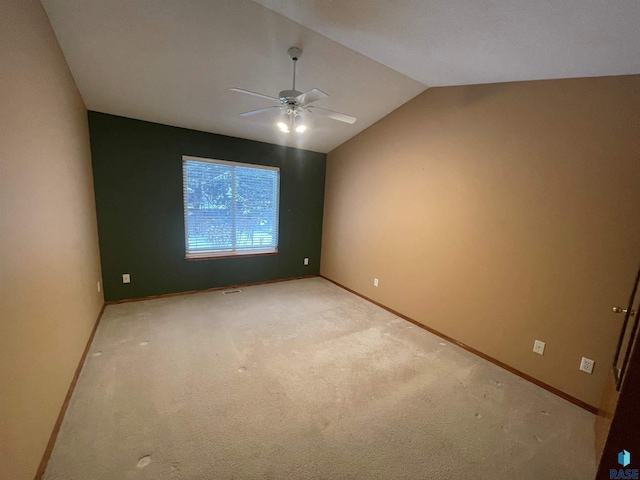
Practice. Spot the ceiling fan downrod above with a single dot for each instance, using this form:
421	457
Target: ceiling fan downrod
285	95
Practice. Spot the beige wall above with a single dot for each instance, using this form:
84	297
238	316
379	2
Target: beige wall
49	263
498	214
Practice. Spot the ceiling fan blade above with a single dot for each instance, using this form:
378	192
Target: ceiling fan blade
259	95
256	112
311	96
331	114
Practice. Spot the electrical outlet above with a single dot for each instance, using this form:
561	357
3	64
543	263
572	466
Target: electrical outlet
98	287
126	278
306	261
538	347
375	282
586	365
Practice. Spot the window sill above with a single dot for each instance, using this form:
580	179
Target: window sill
215	256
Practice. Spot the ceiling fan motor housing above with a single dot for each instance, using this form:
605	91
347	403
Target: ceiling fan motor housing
289	95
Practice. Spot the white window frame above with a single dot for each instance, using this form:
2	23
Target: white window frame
233	252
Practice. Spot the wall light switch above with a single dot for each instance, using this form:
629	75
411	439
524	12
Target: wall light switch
306	261
126	278
538	347
98	287
375	282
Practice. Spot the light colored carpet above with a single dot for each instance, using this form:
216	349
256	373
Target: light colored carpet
303	380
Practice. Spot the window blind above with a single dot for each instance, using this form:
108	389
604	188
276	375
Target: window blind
229	208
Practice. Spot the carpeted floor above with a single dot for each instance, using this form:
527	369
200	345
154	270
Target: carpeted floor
303	380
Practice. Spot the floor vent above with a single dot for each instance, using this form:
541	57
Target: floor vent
227	292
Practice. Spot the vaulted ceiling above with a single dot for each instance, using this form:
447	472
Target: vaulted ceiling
173	62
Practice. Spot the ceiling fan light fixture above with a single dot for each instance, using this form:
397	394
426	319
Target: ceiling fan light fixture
283	127
298	122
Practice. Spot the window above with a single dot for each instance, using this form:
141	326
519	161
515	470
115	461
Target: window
229	208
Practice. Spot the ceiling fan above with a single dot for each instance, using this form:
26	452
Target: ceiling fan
294	104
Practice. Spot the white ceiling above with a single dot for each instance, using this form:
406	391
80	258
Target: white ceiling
462	42
173	62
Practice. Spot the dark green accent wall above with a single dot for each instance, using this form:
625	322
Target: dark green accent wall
137	170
